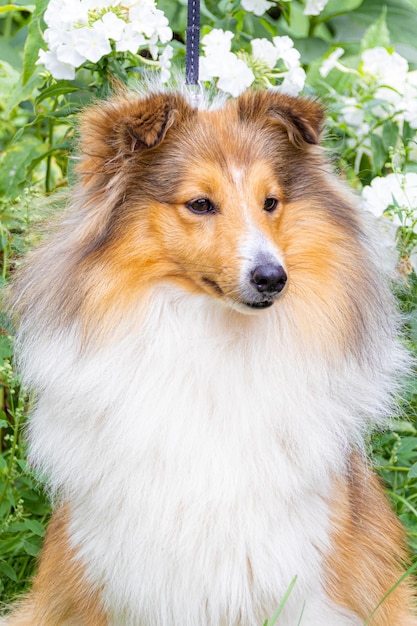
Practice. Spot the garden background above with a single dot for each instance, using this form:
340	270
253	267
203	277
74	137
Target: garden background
358	56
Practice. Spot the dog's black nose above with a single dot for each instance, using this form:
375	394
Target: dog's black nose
269	278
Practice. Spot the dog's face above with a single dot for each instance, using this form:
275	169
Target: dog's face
235	202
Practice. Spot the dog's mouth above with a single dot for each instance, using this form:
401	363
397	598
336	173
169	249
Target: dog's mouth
213	285
263	304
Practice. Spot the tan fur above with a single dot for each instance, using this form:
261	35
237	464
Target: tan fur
142	161
369	552
60	595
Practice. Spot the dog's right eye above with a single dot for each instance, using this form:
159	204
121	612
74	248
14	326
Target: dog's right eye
201	206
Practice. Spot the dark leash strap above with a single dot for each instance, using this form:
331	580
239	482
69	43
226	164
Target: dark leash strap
192	43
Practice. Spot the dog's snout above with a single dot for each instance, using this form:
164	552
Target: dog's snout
269	278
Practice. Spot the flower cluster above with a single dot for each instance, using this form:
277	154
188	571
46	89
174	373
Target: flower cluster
388	73
269	62
259	7
87	30
387	84
393	200
394	195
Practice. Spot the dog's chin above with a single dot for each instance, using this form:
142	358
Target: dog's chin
249	308
238	304
264	304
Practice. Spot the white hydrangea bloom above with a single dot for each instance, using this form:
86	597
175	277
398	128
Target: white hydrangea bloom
131	40
388	70
281	49
217	40
59	70
165	63
258	7
68	51
410	99
265	51
112	26
87	30
353	114
293	81
92	43
233	74
331	62
314	7
61	14
394	190
287	52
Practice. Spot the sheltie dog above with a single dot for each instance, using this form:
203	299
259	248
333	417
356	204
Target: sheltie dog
211	336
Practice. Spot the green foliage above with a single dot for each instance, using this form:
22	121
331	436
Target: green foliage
23	506
367	133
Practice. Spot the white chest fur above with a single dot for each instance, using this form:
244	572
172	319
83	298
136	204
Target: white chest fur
197	453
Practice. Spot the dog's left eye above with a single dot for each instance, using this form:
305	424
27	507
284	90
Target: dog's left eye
200	206
270	204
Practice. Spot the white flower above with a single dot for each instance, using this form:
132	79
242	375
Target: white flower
147	18
394	83
388	70
352	113
287	52
293	82
265	51
235	77
258	7
92	43
60	70
61	14
281	48
217	41
111	26
394	190
331	62
165	63
314	7
80	30
130	40
210	65
68	51
219	62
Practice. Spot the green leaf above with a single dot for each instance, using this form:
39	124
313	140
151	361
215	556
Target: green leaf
377	34
412	473
407	446
6	348
16	7
15	163
8	571
390	132
22	92
34	41
310	48
60	88
36	527
400	17
378	153
31	548
282	604
335	7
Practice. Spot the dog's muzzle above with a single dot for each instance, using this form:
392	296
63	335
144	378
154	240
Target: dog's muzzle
265	283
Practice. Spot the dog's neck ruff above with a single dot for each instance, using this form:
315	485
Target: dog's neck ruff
206	442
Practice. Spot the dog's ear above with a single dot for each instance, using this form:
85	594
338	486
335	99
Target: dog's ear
301	118
115	131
